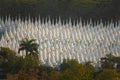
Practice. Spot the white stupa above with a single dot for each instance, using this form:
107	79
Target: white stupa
58	41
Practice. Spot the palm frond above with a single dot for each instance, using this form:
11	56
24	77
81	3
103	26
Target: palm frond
29	46
22	48
31	41
23	42
34	45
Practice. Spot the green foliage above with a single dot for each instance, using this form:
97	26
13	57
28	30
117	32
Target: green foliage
45	70
109	61
24	75
30	62
10	60
64	8
7	53
72	70
108	74
29	46
19	68
89	64
48	73
12	63
67	64
55	75
107	64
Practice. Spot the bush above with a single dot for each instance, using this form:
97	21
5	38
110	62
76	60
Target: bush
30	62
55	75
44	72
24	75
72	70
12	63
108	74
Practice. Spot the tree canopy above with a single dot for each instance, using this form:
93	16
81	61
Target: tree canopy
30	46
64	8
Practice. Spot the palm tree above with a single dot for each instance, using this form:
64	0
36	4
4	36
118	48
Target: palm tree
29	46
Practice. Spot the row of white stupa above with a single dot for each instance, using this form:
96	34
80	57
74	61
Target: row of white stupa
58	41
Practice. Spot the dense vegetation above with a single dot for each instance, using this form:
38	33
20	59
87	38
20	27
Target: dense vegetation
96	9
29	67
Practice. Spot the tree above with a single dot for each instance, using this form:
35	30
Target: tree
108	74
10	63
29	46
72	70
7	54
64	8
106	62
30	74
110	62
55	75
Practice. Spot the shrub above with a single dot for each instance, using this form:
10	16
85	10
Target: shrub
108	74
30	62
72	70
30	74
12	63
55	75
